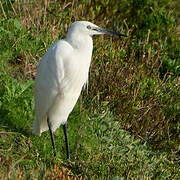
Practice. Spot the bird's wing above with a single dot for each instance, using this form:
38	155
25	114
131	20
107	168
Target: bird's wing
50	75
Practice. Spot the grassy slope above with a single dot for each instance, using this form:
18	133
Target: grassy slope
100	148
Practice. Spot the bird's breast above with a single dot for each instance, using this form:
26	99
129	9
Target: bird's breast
76	72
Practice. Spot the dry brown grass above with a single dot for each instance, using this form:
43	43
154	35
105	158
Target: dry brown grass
10	169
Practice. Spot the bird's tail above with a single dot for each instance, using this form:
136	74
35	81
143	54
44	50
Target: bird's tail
40	126
36	127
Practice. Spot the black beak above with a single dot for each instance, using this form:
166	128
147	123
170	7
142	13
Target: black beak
105	31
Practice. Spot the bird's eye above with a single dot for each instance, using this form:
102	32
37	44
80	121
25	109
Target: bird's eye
88	27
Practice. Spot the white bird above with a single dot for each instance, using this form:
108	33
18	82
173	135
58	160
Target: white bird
61	74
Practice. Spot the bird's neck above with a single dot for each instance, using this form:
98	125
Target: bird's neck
84	43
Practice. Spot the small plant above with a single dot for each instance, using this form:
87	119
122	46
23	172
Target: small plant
16	104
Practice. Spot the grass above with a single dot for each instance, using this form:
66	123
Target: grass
127	126
100	149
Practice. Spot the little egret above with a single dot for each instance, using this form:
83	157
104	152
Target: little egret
61	74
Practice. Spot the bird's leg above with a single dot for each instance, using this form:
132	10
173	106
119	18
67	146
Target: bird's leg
52	136
66	140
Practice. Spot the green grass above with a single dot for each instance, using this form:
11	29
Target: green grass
100	149
127	126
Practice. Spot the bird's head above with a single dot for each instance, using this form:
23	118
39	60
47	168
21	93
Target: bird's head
88	28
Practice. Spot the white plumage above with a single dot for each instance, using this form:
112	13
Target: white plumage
62	73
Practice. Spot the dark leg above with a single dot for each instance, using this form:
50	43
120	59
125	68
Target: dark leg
52	136
66	140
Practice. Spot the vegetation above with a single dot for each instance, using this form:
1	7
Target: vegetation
128	125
